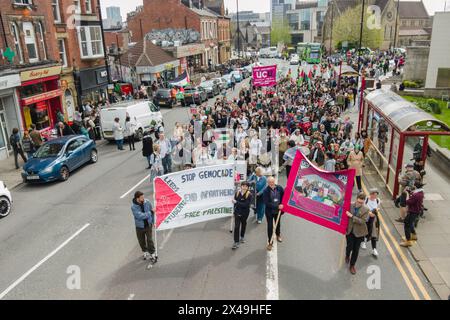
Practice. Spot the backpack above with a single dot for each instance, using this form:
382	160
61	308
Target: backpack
367	200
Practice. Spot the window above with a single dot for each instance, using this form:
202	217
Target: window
41	39
16	36
90	39
23	2
30	41
77	5
88	6
62	52
56	12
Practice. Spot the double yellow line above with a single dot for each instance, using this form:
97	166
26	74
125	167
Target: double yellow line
398	262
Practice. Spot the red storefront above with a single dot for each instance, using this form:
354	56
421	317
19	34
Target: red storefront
40	98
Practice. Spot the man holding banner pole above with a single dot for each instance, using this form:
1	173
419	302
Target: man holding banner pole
272	196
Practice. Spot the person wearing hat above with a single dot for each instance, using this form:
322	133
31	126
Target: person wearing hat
242	201
355	161
373	202
415	206
317	155
408	179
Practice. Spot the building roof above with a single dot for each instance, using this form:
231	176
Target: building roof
146	54
204	12
343	5
413	32
412	9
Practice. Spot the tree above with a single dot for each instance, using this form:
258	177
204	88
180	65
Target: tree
348	26
280	33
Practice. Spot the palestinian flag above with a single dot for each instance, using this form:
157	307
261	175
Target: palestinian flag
222	136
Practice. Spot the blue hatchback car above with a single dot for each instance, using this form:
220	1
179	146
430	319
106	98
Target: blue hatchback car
56	158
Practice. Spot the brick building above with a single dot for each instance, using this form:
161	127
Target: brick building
80	47
29	69
182	14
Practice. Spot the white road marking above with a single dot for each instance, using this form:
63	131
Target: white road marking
131	296
51	254
134	187
166	238
272	292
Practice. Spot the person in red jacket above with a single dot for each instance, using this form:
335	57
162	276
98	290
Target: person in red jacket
415	206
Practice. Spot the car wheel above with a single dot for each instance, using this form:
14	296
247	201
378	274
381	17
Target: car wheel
5	206
139	134
94	156
64	173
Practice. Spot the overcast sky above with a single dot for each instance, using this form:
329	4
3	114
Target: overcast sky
254	5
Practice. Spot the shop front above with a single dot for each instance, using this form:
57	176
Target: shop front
92	84
40	99
160	73
69	96
9	115
190	57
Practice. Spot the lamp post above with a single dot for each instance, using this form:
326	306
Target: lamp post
332	18
99	10
238	30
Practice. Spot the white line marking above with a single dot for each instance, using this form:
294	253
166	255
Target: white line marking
166	238
51	254
131	296
137	185
272	274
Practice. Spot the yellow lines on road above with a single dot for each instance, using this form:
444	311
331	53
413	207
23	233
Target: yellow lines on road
405	260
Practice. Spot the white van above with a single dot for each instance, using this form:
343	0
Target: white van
143	114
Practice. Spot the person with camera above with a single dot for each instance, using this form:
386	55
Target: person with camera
407	179
373	202
414	204
242	201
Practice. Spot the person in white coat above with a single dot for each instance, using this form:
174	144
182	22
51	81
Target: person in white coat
118	134
130	130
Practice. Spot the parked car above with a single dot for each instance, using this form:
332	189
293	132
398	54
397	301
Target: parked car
144	115
295	60
5	200
163	98
227	79
221	82
212	89
195	95
237	75
245	72
56	158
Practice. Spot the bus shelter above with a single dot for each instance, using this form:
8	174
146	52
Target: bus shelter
395	127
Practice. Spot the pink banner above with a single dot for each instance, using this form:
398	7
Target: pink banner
319	196
265	76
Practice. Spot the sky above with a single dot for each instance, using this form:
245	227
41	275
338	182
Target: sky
244	5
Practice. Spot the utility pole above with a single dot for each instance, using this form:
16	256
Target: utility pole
396	23
99	10
361	34
238	31
332	21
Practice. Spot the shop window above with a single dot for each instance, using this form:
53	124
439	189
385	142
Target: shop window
16	36
90	39
30	42
56	12
37	114
32	90
62	52
41	40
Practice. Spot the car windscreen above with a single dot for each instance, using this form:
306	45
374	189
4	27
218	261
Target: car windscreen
163	93
49	150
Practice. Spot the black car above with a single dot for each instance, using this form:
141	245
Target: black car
163	98
194	95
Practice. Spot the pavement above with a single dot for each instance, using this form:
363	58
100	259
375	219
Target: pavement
76	240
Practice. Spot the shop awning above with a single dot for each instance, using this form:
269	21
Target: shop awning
402	113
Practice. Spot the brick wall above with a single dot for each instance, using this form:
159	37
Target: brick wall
161	14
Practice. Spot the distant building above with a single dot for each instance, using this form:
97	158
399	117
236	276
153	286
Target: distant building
438	72
306	20
415	23
279	8
113	18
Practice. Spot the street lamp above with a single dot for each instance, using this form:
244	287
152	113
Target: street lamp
99	10
238	30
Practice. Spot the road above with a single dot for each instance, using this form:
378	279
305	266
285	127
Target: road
84	227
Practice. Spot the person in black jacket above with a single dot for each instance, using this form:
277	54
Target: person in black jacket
147	147
272	197
242	201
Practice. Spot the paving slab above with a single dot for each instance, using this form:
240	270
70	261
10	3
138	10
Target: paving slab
430	272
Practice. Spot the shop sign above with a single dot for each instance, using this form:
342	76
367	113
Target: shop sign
10	81
189	50
42	97
39	73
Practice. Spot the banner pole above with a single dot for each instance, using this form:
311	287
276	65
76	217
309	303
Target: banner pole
156	233
275	226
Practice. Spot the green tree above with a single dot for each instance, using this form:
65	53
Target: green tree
280	33
348	26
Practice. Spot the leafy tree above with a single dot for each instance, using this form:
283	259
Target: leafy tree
280	33
348	26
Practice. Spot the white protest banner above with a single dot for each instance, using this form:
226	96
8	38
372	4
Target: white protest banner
239	166
192	196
